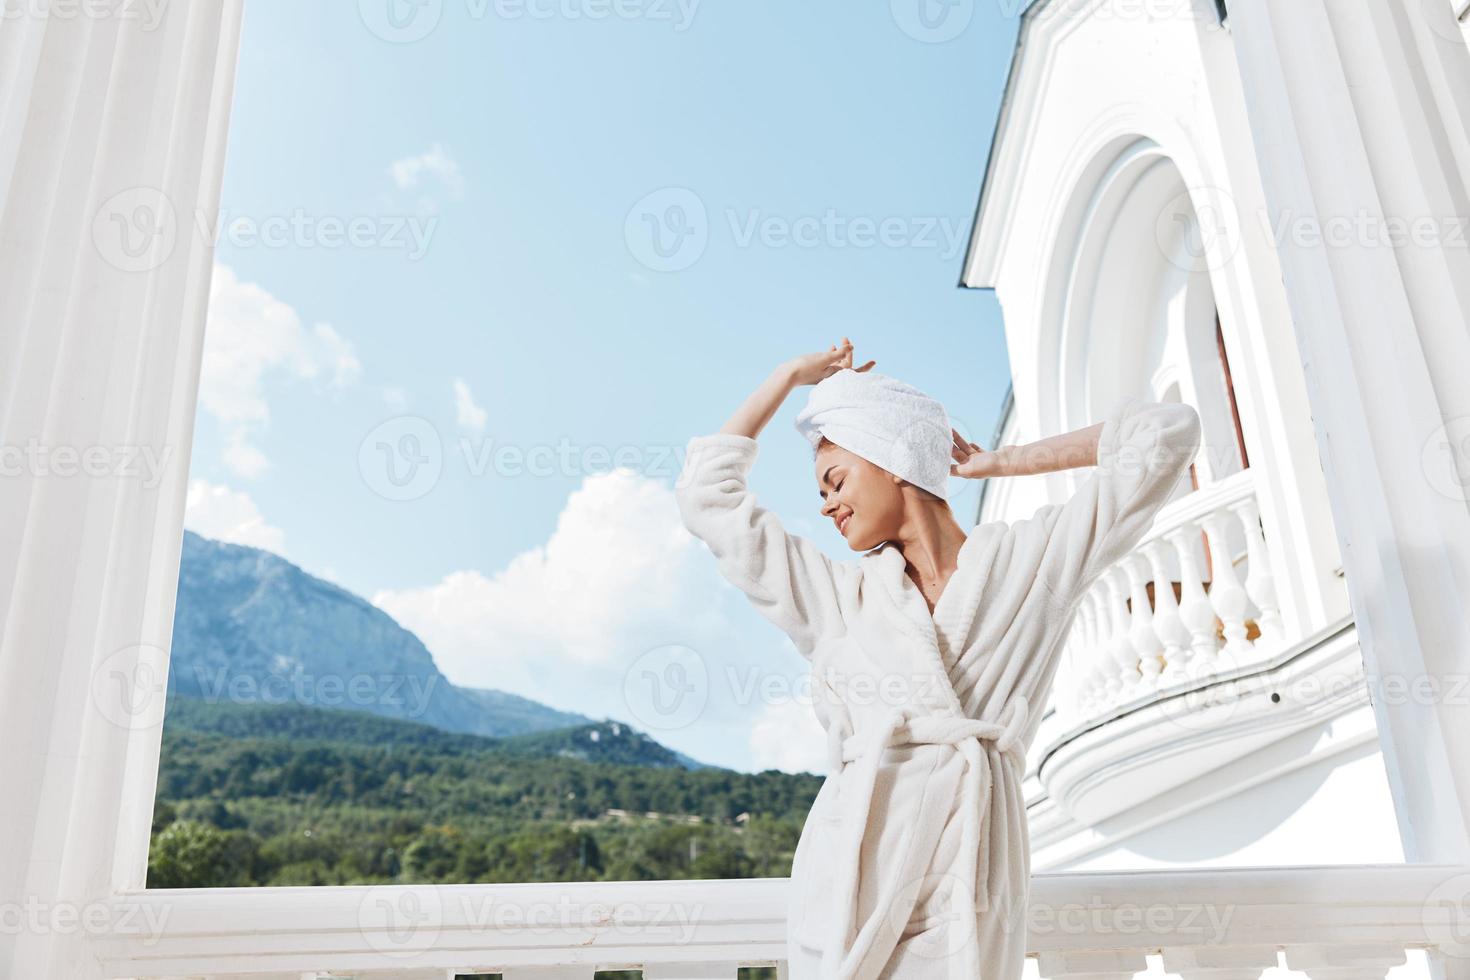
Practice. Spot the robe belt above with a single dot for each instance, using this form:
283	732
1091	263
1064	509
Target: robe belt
972	895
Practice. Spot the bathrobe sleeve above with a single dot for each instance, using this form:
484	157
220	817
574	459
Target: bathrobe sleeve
788	579
1144	448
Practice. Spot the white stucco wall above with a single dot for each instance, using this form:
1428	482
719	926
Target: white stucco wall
1123	207
1336	809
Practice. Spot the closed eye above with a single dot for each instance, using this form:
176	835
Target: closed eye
827	478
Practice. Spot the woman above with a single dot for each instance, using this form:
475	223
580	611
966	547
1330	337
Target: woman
934	651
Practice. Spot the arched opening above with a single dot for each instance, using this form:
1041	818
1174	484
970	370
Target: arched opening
1135	309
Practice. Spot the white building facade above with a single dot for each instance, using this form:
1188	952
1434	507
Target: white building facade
1214	708
1127	236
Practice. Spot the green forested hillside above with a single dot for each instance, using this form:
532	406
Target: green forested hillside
605	741
261	794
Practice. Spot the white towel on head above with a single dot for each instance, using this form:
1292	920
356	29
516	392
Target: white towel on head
885	421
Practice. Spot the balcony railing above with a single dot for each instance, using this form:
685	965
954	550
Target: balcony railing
1331	923
1195	598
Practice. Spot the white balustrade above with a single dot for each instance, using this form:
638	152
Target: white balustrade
1125	643
1330	923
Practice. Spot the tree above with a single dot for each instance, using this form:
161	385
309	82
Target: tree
186	854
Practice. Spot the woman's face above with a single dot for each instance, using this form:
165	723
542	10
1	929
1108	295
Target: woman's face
864	500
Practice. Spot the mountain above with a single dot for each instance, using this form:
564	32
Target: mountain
608	742
252	628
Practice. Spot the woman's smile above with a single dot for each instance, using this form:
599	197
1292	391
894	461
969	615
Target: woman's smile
842	523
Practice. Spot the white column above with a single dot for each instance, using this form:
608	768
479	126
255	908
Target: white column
112	133
1362	108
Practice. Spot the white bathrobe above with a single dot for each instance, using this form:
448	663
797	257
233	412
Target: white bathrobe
914	861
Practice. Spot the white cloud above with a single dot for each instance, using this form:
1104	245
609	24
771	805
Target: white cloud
229	515
337	353
787	736
409	172
243	459
567	623
617	558
469	413
250	338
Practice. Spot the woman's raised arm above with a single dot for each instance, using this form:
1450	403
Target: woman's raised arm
1143	448
757	409
788	579
1140	450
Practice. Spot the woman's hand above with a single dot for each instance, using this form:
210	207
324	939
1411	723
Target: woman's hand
808	369
751	417
973	462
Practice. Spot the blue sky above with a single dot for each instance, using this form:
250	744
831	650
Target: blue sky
438	242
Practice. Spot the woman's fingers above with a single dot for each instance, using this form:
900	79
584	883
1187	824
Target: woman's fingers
842	357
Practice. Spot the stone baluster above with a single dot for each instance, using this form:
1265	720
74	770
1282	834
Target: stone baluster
1100	964
1343	962
1101	668
1089	677
1143	634
1195	611
1092	631
1073	675
1105	682
1220	962
1260	583
1125	658
1171	629
1227	595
